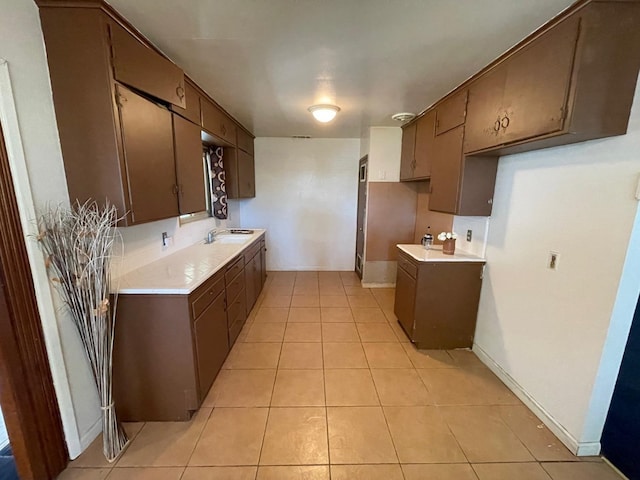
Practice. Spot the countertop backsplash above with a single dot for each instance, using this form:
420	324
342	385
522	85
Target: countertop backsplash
480	228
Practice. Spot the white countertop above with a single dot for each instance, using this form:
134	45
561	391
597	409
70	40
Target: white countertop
184	271
434	254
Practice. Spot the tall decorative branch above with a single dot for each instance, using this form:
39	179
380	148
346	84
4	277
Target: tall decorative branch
78	244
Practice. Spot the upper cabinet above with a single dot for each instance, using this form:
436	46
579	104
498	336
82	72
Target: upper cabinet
216	122
240	168
417	148
451	113
407	157
189	166
191	111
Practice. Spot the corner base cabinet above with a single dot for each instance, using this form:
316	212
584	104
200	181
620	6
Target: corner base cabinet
437	301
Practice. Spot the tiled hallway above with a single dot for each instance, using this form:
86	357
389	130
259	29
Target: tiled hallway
322	383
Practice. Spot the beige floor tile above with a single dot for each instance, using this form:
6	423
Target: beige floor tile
84	474
272	314
146	473
304	315
295	436
305	301
253	356
359	435
366	472
428	358
538	439
369	315
580	471
165	444
390	314
356	290
362	301
220	473
303	332
306	289
241	388
385	293
386	355
232	436
277	301
483	435
301	355
376	332
93	456
349	278
343	355
454	471
265	332
339	332
350	387
331	289
385	302
334	314
298	388
468	386
466	358
397	329
420	435
334	301
510	471
397	387
315	472
280	291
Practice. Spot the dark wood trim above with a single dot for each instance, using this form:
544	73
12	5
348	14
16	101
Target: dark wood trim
27	394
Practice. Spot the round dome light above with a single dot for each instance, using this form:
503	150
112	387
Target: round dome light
324	113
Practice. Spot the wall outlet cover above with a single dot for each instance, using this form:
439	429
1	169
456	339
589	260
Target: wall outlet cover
469	235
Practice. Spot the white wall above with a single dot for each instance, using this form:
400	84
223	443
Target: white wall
306	199
546	330
385	144
4	437
32	140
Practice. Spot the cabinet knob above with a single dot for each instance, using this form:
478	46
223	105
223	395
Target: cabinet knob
180	92
505	122
223	129
490	201
496	126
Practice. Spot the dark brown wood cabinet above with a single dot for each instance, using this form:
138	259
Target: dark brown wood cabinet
240	168
191	111
216	122
417	148
189	166
236	297
147	151
447	171
407	153
140	67
246	175
255	273
437	302
451	113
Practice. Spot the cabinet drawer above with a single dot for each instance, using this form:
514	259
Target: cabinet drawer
237	309
234	287
407	266
234	268
204	299
245	141
217	122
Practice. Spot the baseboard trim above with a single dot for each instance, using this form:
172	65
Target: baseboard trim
378	285
91	434
579	449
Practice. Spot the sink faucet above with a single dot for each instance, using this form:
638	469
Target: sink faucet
212	234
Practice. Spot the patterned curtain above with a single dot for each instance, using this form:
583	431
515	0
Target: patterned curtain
217	188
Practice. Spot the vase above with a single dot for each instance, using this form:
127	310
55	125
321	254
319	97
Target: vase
449	246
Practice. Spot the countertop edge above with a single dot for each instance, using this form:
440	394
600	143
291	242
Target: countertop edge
461	256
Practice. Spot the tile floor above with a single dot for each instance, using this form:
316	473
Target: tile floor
322	383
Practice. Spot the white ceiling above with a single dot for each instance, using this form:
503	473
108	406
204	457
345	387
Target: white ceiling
267	61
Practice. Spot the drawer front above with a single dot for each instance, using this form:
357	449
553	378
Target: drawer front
204	299
407	265
234	269
237	309
234	287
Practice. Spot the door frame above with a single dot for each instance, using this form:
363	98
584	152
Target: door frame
363	178
30	401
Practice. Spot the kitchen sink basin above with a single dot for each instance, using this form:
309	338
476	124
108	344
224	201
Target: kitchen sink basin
232	238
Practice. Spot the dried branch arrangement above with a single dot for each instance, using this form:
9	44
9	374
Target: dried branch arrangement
78	244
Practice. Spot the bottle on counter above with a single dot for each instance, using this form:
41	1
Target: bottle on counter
427	239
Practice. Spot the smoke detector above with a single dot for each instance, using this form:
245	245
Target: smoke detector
403	116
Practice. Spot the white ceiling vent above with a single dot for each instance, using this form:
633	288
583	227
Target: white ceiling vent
403	116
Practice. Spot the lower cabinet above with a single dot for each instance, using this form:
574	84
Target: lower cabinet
437	302
169	348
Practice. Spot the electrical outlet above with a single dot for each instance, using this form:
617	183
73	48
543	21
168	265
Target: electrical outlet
554	258
469	235
165	239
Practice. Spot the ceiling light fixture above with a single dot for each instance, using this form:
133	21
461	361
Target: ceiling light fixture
403	116
324	113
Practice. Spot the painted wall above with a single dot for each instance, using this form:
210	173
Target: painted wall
306	199
4	437
547	330
385	144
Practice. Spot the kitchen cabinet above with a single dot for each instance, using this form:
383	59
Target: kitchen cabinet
147	147
140	67
255	274
417	148
407	152
437	301
191	111
245	141
218	123
189	166
236	298
452	112
240	168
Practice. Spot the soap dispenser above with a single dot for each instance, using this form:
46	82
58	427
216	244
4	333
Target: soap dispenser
427	240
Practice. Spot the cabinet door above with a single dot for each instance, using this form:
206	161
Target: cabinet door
212	343
452	112
405	302
192	102
189	166
140	67
407	159
537	86
246	175
217	122
263	260
424	145
250	284
257	265
447	171
245	141
147	142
